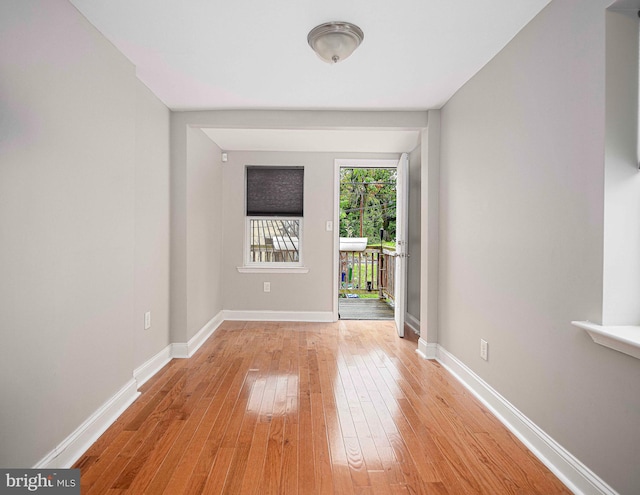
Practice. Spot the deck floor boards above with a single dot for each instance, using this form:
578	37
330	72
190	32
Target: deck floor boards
364	309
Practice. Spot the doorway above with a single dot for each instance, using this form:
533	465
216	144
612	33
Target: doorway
369	240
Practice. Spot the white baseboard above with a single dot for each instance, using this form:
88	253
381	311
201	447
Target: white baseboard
176	350
309	316
183	350
76	444
143	373
573	473
427	350
412	322
179	350
203	334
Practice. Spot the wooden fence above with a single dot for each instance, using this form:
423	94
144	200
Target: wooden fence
368	271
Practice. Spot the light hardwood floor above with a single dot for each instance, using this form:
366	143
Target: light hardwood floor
306	408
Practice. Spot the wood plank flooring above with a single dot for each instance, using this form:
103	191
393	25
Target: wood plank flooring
309	408
364	309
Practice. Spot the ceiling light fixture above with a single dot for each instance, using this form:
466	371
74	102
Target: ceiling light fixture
335	41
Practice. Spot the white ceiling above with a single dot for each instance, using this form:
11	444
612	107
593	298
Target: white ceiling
210	54
233	54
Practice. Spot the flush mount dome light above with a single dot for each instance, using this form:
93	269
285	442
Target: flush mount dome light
335	41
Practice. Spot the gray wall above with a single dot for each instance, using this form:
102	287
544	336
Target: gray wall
312	291
197	213
80	139
205	214
430	229
521	238
414	219
151	225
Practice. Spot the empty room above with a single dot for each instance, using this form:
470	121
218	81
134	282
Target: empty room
178	244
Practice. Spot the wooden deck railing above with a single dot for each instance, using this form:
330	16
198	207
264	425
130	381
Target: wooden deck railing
367	271
274	240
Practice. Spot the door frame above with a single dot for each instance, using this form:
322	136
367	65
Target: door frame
348	163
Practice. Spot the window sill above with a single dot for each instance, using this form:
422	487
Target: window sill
272	269
620	338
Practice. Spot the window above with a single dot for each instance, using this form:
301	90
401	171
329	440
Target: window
274	211
273	240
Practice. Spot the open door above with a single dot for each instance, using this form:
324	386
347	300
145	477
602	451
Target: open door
402	204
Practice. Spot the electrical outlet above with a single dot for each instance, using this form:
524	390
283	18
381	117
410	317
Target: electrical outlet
267	286
147	320
484	349
329	226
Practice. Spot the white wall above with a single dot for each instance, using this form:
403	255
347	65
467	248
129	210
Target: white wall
521	238
72	283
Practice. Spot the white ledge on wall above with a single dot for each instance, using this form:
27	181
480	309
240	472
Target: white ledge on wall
620	338
269	269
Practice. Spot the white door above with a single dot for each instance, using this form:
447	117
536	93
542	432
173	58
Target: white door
402	203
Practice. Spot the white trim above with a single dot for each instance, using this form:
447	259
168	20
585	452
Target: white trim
272	269
336	240
203	334
143	373
184	350
619	338
366	163
426	349
573	473
71	448
412	322
308	316
179	350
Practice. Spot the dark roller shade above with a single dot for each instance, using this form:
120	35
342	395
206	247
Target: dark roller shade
275	191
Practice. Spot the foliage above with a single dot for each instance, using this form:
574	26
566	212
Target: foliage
368	203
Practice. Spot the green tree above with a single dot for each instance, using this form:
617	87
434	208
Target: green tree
367	202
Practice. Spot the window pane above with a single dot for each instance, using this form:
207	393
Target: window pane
274	241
